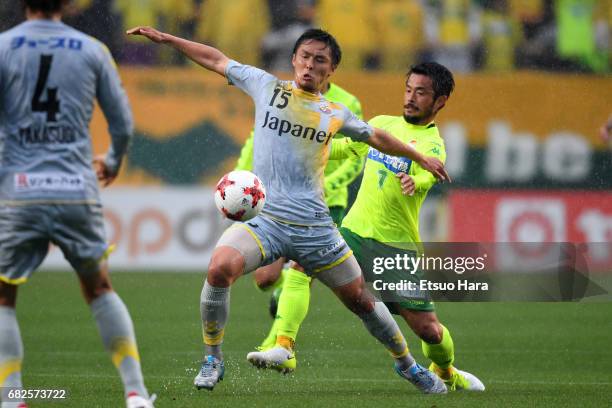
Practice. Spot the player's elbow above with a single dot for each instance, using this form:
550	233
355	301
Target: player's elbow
215	62
122	132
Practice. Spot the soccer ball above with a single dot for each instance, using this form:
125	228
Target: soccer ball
240	195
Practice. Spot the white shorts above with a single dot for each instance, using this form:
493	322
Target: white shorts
318	249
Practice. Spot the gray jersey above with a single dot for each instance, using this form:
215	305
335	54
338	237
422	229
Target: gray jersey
291	146
50	75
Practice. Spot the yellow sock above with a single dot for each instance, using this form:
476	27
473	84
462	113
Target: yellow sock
443	373
285	342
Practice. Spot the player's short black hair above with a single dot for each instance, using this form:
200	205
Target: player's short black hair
46	6
441	77
316	34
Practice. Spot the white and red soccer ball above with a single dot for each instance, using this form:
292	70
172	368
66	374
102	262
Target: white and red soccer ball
240	195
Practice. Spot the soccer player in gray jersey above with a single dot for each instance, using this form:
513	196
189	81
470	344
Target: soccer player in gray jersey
50	75
294	125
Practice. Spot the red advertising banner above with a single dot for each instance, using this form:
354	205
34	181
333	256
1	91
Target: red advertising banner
530	216
534	217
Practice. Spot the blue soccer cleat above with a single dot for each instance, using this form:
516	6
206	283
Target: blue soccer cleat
426	381
210	374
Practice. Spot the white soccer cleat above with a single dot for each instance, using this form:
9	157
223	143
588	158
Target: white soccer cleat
211	372
137	401
470	382
426	381
461	380
277	357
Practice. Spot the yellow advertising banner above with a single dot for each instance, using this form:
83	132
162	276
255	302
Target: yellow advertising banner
198	109
533	102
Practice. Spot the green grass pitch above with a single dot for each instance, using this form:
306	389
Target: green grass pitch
527	354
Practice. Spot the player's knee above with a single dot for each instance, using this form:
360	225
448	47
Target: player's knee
264	282
8	295
267	276
430	332
364	307
223	270
95	293
358	302
94	285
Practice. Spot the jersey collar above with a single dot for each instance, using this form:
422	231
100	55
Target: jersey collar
44	23
418	127
305	94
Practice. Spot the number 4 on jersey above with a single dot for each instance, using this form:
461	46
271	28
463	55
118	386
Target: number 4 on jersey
52	105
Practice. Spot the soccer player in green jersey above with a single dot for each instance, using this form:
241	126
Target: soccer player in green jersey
386	211
339	174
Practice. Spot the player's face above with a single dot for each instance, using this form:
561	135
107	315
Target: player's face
312	65
420	107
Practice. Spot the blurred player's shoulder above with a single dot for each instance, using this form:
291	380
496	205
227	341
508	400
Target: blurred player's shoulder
337	91
100	48
6	36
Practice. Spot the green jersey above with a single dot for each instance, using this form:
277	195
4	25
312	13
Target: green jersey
381	211
245	161
339	174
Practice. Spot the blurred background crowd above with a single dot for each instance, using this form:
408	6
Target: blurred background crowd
465	35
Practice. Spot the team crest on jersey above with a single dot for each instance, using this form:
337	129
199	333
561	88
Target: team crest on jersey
325	108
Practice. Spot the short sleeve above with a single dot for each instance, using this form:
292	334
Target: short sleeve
354	127
248	78
434	147
345	148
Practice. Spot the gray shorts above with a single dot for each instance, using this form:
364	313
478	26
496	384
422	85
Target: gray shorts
320	250
26	232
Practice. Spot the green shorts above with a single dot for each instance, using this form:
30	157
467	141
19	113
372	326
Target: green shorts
365	251
337	214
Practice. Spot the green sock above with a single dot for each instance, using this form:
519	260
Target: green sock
292	304
442	354
270	341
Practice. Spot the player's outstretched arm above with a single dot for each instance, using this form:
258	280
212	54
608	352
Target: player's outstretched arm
384	142
204	55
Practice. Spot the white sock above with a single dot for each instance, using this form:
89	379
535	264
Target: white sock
214	310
